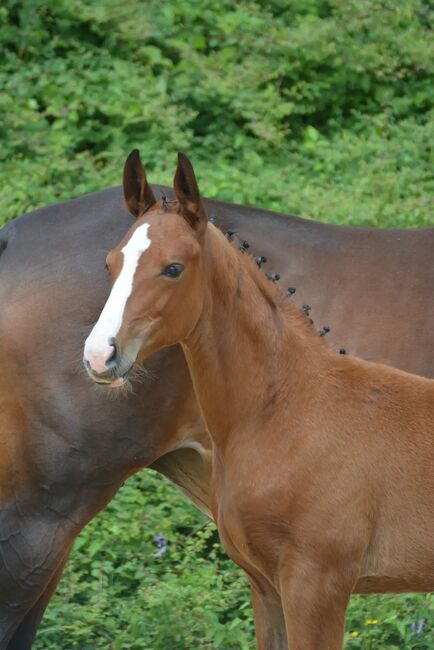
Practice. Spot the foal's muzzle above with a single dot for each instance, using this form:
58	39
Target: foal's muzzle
107	368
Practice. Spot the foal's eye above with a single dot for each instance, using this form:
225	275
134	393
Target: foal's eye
173	270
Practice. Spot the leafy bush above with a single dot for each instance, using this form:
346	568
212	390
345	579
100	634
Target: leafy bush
321	108
334	97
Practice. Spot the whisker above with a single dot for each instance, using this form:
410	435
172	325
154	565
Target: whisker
140	374
78	367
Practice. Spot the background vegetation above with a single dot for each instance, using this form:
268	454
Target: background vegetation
322	108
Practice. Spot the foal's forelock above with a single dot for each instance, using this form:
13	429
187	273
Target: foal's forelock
110	320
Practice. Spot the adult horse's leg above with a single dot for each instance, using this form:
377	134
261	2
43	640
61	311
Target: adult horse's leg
37	524
314	601
32	554
24	635
269	620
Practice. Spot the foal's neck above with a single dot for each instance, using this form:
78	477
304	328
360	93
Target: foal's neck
252	347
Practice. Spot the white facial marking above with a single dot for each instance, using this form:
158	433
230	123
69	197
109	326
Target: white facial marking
110	320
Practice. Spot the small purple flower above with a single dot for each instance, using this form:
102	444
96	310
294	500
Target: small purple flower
161	545
418	627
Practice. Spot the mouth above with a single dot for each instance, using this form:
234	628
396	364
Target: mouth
111	378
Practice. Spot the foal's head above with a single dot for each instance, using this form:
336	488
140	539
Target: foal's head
156	275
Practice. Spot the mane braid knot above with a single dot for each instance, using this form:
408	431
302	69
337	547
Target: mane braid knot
167	203
260	260
274	277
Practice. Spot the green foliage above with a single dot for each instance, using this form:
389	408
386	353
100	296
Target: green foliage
117	594
329	102
321	108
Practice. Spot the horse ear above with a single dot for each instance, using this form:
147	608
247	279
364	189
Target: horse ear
188	195
138	194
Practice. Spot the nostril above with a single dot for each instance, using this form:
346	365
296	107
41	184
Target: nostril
112	360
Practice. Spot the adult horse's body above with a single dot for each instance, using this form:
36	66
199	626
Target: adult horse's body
67	447
318	458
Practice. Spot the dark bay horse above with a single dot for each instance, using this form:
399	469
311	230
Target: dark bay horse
66	447
323	480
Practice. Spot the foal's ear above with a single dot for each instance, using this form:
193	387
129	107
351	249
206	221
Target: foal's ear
188	195
138	195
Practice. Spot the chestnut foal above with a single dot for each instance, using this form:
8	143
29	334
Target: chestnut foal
323	469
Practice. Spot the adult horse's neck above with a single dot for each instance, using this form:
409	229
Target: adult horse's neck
252	347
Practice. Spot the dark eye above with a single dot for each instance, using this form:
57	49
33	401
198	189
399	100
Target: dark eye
173	270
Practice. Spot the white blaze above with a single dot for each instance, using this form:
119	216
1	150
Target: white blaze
110	320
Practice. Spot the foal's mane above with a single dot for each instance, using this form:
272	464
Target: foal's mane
271	292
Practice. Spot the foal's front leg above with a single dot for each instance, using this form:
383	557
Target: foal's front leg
269	621
314	602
